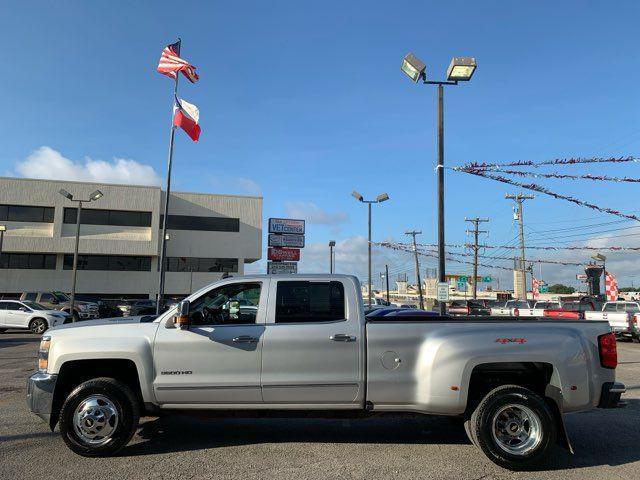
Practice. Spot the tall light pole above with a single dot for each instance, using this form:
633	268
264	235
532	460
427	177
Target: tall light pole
413	234
332	243
460	70
3	228
93	197
383	197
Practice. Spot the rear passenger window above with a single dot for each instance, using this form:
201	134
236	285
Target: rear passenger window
31	296
303	302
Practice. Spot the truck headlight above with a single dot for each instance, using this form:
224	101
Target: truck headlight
43	354
83	307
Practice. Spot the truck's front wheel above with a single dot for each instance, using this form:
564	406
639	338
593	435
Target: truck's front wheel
514	427
99	417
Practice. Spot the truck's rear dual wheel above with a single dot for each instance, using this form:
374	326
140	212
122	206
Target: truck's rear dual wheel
514	427
99	417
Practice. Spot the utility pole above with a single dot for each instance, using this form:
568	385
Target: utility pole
386	277
519	198
476	222
413	234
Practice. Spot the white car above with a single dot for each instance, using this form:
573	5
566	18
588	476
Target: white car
28	315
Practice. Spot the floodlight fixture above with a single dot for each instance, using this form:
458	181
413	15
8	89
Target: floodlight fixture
383	197
357	196
66	194
96	195
3	228
332	243
413	67
461	69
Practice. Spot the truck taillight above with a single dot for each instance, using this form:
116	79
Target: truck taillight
635	319
468	310
608	350
516	312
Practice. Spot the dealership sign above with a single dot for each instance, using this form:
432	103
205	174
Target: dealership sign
286	240
283	254
278	268
286	225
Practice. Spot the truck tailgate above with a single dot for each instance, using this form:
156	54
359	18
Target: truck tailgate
619	321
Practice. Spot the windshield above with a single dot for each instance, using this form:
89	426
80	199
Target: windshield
34	305
62	297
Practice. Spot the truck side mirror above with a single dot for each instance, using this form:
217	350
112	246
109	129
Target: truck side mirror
182	315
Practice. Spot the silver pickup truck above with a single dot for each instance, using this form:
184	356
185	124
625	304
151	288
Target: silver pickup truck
302	343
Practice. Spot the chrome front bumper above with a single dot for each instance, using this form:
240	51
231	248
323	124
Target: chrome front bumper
40	388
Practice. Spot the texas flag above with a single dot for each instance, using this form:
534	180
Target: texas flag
186	116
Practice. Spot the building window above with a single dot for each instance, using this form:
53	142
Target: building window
24	213
195	264
205	224
94	216
109	262
28	261
303	302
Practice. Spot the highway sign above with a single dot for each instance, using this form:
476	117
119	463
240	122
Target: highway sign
486	279
543	288
286	225
462	286
443	292
279	268
289	254
286	240
463	278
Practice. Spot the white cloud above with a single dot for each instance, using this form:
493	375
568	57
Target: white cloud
313	214
235	185
47	163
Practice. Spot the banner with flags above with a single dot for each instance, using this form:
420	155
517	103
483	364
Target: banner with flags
186	116
534	288
170	63
610	287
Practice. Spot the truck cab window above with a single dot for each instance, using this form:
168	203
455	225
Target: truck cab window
235	304
299	302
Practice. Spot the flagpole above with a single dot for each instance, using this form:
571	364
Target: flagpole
163	241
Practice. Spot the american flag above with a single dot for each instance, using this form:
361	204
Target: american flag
610	287
171	63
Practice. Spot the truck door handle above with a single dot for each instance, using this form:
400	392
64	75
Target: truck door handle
341	337
244	339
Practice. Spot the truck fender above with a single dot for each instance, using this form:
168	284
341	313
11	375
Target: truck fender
554	394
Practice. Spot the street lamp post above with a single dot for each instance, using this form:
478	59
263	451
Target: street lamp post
383	197
93	197
3	228
460	69
332	244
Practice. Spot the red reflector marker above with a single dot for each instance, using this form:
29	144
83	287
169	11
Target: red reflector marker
608	350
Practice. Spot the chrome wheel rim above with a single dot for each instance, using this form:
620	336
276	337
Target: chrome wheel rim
95	419
39	326
516	429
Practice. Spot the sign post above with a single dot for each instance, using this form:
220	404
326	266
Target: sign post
286	238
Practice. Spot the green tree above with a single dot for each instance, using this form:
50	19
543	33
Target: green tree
561	289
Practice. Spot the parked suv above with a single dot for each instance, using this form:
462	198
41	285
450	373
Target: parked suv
61	301
131	308
29	315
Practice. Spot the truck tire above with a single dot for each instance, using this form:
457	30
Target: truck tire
514	427
38	325
99	417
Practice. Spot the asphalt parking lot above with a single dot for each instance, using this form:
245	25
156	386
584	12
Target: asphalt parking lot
606	442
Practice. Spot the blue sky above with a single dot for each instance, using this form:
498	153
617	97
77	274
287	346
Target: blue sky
302	102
